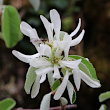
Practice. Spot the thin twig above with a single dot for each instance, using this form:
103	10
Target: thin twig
52	108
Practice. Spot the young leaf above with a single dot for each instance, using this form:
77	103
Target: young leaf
104	96
85	66
11	26
50	78
71	92
103	107
30	78
64	101
35	87
7	104
55	85
45	104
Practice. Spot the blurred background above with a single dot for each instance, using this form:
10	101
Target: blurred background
95	17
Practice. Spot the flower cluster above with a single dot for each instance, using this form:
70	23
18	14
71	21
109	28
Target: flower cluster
49	58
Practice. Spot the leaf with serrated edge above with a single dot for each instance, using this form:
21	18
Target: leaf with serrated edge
45	104
7	104
104	96
30	78
64	101
55	85
50	78
103	107
11	26
85	66
71	92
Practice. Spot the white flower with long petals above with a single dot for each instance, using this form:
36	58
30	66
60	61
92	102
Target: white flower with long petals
50	61
49	57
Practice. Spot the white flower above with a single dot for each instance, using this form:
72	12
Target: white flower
48	62
49	57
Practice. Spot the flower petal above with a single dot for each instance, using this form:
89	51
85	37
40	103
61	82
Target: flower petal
77	28
77	77
48	27
55	19
24	58
44	70
78	39
70	64
56	72
33	34
43	78
25	27
66	49
89	81
36	87
44	50
61	88
39	62
27	30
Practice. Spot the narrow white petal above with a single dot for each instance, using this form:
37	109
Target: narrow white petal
63	43
78	39
39	62
48	27
56	72
24	58
77	77
89	81
70	64
33	34
61	88
44	50
24	27
77	28
43	78
27	30
66	49
36	87
58	52
43	71
55	19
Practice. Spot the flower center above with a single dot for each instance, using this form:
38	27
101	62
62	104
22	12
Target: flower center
54	60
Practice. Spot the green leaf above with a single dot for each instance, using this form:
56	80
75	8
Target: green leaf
45	104
64	101
11	26
56	85
35	4
85	66
71	92
7	104
30	78
103	107
50	78
104	96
